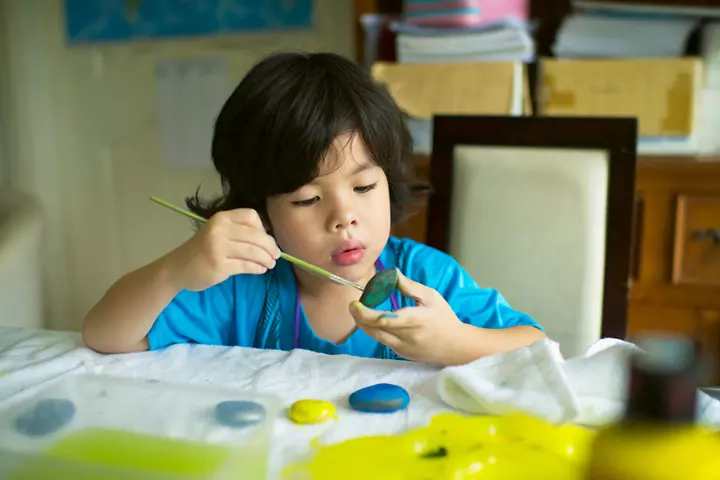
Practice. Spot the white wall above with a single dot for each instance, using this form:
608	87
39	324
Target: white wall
4	80
82	136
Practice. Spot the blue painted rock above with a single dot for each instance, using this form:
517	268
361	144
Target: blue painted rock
380	288
239	413
380	398
47	416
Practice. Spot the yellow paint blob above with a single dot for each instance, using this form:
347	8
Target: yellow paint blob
656	452
459	448
312	411
89	454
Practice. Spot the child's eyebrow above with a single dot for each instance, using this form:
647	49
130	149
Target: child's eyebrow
362	167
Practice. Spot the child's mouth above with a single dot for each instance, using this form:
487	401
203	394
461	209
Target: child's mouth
349	257
350	253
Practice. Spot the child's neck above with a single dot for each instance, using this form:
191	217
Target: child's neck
318	288
326	306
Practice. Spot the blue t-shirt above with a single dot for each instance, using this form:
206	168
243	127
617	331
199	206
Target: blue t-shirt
234	312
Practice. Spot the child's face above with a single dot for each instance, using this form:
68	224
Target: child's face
341	220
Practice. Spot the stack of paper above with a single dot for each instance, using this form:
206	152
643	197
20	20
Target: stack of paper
649	8
710	120
595	35
500	41
711	53
626	31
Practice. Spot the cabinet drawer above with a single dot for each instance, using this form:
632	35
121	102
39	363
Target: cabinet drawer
651	318
701	325
696	256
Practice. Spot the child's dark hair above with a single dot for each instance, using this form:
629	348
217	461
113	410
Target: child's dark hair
274	130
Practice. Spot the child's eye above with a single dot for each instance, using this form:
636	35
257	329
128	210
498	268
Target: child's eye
366	188
307	203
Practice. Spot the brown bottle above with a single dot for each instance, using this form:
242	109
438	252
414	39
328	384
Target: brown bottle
657	438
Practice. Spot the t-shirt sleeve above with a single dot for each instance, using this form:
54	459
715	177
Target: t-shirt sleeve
481	307
211	316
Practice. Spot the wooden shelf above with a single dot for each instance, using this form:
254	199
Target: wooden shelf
650	161
696	173
655	302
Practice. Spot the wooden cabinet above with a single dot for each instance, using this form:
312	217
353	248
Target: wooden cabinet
675	277
675	283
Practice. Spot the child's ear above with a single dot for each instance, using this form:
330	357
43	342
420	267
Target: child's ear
266	222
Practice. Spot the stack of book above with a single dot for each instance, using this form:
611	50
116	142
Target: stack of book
507	40
598	34
616	59
469	31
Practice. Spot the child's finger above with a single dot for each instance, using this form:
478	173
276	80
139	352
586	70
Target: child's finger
417	291
244	216
400	320
382	336
388	321
364	315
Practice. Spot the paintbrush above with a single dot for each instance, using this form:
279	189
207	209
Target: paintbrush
300	263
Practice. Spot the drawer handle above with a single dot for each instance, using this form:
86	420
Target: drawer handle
710	233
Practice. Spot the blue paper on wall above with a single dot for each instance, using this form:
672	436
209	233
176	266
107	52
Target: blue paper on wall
92	21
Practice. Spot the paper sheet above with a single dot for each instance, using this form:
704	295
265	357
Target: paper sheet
590	36
709	125
190	93
711	54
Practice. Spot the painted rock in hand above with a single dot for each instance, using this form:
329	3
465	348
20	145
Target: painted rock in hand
380	398
379	288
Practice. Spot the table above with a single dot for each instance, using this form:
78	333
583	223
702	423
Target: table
31	359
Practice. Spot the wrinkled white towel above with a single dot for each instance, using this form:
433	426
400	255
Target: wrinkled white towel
587	390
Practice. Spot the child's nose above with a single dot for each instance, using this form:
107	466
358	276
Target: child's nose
345	222
344	217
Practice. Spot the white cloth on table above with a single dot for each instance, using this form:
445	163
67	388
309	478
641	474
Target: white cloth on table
589	389
31	359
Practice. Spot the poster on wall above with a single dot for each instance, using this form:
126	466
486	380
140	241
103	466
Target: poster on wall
189	95
102	21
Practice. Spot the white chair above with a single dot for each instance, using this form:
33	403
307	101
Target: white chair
540	209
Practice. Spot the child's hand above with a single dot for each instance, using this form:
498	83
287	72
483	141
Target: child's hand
231	242
427	332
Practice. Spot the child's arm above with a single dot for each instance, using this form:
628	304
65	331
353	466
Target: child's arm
471	342
230	243
120	321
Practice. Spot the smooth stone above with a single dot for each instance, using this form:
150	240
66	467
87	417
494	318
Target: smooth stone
311	411
380	288
239	413
47	416
380	398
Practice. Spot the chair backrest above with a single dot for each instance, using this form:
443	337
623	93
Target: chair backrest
540	209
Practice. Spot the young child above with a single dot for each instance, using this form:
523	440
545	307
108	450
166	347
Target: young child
314	159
